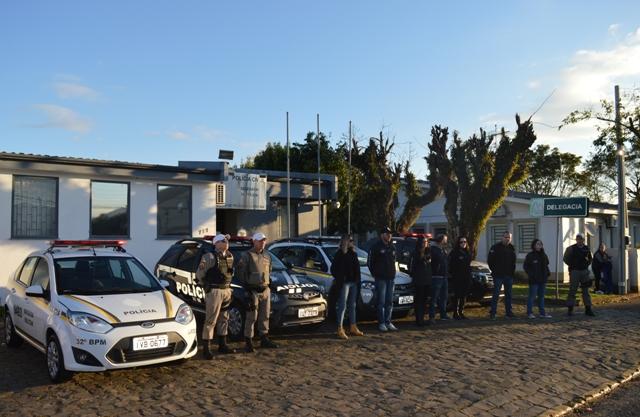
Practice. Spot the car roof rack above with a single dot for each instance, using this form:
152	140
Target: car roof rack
117	245
315	240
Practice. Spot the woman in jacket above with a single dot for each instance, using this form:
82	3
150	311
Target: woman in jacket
345	269
460	269
602	267
420	271
536	265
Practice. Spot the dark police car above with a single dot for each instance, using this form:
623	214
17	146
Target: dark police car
295	300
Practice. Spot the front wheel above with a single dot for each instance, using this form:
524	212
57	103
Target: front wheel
236	322
11	337
55	361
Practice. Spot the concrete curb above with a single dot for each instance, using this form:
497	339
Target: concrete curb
592	395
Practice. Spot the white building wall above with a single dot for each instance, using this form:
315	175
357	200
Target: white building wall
74	218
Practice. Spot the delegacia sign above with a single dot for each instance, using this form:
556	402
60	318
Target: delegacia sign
559	207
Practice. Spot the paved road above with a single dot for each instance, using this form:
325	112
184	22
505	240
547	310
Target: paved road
475	368
623	402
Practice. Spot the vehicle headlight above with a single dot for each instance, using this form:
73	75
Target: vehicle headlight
88	322
366	291
184	315
275	297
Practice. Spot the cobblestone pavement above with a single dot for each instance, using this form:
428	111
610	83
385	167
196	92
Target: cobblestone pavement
508	367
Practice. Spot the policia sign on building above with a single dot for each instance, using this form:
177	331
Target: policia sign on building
559	207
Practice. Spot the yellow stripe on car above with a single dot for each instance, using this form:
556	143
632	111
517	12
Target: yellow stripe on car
167	303
104	312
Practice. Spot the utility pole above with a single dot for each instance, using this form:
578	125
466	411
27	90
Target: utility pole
622	199
288	185
349	185
319	183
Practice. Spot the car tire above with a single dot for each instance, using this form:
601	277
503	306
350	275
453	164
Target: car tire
236	322
11	337
55	361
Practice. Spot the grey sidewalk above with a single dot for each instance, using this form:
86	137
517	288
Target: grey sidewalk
478	368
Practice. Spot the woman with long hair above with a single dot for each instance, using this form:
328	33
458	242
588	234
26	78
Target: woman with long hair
345	269
420	271
460	269
536	265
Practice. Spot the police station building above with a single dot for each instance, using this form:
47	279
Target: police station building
149	206
519	215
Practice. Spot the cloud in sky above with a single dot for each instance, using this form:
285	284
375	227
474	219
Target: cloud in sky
74	90
613	29
59	117
199	133
589	78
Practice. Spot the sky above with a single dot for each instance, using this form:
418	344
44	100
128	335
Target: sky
162	81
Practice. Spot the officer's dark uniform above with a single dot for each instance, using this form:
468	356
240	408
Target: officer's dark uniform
578	258
214	273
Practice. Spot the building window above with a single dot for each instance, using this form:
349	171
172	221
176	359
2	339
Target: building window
526	233
174	210
34	211
497	232
109	209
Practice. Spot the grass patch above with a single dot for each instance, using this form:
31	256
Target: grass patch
521	290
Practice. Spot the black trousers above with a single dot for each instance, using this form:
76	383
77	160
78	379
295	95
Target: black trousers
420	301
460	304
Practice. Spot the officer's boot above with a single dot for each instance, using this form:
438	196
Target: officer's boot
569	310
588	311
265	342
222	345
248	347
207	349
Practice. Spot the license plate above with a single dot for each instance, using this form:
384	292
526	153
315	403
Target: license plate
308	312
407	299
150	342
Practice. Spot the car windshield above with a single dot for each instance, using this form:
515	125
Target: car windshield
331	253
103	275
276	264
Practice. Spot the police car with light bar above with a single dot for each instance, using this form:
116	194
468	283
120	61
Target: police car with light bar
90	306
296	300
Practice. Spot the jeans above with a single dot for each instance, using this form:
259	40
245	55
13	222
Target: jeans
439	295
384	288
536	290
607	281
498	282
347	294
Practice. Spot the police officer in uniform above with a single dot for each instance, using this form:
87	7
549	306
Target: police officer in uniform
254	274
214	273
578	258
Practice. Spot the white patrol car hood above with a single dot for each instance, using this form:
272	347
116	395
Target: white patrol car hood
123	308
401	277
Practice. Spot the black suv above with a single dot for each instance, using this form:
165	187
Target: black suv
295	300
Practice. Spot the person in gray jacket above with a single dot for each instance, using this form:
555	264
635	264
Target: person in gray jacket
254	274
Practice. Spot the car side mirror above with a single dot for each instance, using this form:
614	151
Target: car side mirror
36	291
165	283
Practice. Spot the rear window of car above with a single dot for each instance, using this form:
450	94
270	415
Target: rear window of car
170	257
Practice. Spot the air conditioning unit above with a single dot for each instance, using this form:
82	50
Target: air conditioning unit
611	221
220	195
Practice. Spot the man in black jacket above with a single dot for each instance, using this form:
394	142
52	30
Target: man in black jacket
382	264
502	262
439	279
578	258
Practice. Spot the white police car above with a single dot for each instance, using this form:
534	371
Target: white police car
90	306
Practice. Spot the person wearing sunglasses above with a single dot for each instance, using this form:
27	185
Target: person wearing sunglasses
460	269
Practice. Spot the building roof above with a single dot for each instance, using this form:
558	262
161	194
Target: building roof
34	161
